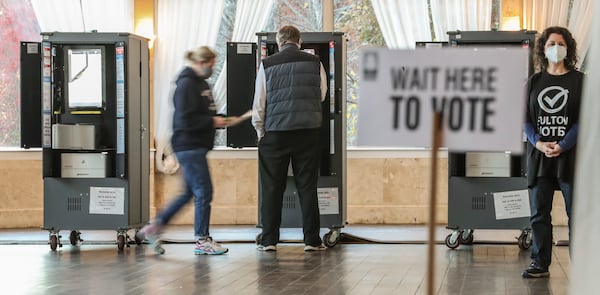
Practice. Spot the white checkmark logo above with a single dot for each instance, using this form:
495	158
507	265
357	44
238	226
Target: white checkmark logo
550	103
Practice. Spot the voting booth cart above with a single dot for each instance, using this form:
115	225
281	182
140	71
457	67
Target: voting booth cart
476	97
93	128
488	190
460	98
242	63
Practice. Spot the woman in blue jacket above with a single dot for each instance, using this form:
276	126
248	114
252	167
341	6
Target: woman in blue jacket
194	123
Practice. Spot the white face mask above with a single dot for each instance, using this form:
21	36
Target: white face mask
556	53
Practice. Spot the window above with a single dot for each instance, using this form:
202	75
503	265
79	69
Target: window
306	15
17	23
357	19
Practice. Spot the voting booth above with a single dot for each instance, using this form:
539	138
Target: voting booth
488	190
243	59
92	93
468	98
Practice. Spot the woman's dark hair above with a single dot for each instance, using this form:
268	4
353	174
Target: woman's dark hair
540	56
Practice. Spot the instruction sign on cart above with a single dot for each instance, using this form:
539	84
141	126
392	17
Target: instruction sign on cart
512	204
480	94
328	200
107	200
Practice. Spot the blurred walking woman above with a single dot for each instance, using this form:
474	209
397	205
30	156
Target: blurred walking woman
194	123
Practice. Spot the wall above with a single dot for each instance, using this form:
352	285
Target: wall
383	187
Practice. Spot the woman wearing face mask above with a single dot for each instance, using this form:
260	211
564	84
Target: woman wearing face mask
551	125
194	123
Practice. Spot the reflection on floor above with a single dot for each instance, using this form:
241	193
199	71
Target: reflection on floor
396	265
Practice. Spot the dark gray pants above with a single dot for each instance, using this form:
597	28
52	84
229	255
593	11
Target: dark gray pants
542	195
275	151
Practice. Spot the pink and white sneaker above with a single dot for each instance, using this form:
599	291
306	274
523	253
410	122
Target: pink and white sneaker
209	247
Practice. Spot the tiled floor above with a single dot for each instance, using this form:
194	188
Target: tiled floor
394	263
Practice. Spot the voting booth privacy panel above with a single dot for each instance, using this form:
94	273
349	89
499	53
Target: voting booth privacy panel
93	128
242	64
488	190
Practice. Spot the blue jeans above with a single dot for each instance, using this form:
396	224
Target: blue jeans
542	195
197	183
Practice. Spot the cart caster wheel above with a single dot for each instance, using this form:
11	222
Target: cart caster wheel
330	239
258	239
53	242
137	239
121	242
524	241
466	237
75	237
452	241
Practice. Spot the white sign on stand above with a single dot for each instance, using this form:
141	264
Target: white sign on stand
480	94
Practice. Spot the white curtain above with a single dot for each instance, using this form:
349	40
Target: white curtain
586	204
537	15
250	17
402	22
84	15
580	22
181	25
463	15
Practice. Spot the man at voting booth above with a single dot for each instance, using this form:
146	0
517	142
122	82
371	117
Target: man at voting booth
287	116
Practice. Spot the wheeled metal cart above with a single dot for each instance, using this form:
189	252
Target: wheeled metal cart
471	206
471	192
94	135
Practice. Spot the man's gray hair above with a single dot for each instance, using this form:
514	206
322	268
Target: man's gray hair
288	34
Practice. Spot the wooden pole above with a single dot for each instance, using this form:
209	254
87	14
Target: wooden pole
436	135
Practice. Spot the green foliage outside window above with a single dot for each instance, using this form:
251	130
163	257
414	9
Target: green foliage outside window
357	19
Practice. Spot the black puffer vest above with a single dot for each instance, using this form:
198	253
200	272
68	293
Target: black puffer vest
293	90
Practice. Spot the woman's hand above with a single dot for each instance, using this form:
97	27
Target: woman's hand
550	149
554	151
220	122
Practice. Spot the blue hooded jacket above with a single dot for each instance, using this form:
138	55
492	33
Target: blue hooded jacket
193	125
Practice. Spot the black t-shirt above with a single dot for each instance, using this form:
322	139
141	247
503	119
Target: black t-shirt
553	108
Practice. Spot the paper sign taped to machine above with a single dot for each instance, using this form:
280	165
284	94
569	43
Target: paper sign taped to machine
480	94
512	204
107	200
328	200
